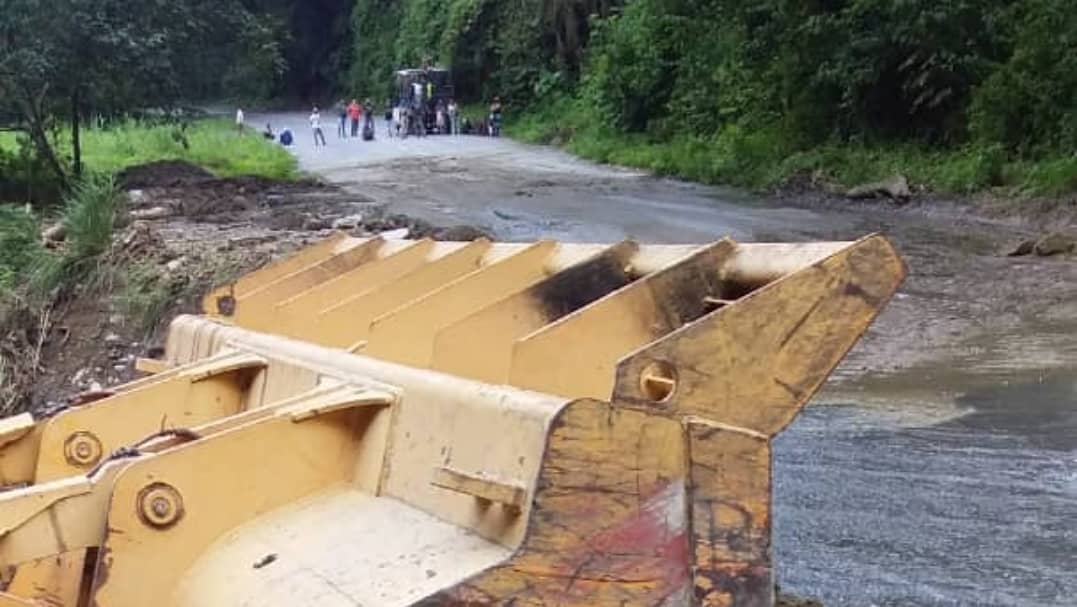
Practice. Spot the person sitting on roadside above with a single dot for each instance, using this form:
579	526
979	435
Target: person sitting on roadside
286	137
268	133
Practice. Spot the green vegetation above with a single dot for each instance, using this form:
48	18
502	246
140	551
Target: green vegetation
763	158
63	62
90	216
212	144
146	296
20	246
960	96
91	212
35	280
494	47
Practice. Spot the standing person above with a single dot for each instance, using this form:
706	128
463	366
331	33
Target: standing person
495	117
454	117
354	109
240	119
389	117
417	93
396	120
342	126
316	126
368	120
440	122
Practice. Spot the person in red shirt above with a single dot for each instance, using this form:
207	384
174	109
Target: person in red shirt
354	111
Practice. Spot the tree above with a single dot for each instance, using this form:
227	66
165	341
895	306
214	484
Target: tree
29	45
65	57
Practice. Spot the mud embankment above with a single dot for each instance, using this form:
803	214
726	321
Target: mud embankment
186	231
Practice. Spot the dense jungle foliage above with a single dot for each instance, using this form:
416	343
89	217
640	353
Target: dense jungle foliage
961	95
762	89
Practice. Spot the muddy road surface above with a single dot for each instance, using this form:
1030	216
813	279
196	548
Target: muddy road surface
938	466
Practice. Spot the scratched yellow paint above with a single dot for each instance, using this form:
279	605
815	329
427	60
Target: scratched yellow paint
650	486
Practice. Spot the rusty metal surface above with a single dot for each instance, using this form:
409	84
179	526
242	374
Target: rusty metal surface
591	424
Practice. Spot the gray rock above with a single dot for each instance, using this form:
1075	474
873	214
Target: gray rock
462	234
79	375
57	232
314	224
347	223
112	339
1025	247
896	188
398	234
152	213
136	197
1054	244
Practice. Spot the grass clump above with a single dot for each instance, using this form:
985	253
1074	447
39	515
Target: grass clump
146	295
91	212
20	245
90	215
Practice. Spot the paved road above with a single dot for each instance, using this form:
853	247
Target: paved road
939	468
524	192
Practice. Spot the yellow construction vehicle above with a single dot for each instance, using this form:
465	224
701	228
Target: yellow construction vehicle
381	423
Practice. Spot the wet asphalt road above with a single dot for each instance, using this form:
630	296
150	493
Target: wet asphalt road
951	481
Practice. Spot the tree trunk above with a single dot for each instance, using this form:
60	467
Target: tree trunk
76	141
41	141
35	125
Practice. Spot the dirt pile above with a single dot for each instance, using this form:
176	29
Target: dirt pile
164	174
187	231
171	192
90	338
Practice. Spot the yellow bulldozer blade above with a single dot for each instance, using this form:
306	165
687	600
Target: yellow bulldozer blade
392	422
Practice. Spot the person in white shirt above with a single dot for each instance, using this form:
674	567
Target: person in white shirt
240	119
316	126
454	117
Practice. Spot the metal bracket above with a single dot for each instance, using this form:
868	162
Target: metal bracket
335	401
510	495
